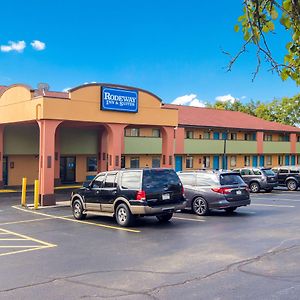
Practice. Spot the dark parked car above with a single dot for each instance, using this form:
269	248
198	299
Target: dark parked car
288	176
126	194
214	190
259	179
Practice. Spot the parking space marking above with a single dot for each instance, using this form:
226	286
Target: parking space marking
79	221
272	205
282	199
28	221
22	237
188	219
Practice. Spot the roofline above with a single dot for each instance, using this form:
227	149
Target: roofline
115	86
5	88
236	128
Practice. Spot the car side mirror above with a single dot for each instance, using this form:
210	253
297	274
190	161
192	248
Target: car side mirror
86	184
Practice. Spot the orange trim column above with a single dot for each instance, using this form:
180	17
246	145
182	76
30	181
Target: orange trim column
57	180
115	145
102	150
168	147
293	141
1	154
47	160
260	142
179	149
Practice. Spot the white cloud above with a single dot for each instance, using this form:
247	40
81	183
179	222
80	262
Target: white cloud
190	100
38	45
227	98
66	90
13	46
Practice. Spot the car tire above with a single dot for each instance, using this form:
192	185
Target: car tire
230	210
123	215
200	206
254	187
292	185
165	217
77	209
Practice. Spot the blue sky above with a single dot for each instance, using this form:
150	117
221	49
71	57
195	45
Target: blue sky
171	48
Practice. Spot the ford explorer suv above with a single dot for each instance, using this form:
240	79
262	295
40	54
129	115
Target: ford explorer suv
288	176
127	194
259	178
206	190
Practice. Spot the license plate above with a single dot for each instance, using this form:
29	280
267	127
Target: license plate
239	192
166	196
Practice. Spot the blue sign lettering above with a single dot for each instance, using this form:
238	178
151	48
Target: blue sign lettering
119	100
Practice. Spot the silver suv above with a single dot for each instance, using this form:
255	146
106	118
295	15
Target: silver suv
259	178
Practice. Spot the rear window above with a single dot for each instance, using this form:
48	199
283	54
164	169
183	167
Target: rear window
159	178
131	180
268	172
231	179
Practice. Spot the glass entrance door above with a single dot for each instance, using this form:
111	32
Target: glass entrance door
68	169
5	170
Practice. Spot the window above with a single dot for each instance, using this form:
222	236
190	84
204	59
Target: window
155	162
257	172
268	137
246	172
283	171
298	138
204	179
187	179
91	164
249	136
233	161
110	181
189	134
246	160
156	133
231	179
232	136
123	162
206	161
189	162
132	132
298	159
134	162
269	160
206	135
280	160
283	138
131	180
98	182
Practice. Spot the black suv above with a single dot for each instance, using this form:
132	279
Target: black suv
259	178
126	194
288	176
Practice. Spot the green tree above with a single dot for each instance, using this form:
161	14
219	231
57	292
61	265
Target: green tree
260	18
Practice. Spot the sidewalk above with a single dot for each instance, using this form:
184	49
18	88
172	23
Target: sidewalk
30	188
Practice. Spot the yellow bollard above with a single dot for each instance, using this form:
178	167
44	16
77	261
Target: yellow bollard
36	194
24	187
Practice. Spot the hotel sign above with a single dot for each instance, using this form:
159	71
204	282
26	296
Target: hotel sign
119	100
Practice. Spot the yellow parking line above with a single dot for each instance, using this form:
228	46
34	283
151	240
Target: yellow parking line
24	250
79	221
21	246
28	221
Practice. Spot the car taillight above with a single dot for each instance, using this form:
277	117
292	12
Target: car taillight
182	190
141	195
221	190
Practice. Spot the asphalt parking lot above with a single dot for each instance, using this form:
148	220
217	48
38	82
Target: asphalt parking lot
252	254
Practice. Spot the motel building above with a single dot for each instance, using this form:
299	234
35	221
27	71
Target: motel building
62	138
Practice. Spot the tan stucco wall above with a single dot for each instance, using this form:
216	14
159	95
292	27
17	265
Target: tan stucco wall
23	166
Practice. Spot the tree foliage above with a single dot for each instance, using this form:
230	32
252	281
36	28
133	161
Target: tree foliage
285	111
260	18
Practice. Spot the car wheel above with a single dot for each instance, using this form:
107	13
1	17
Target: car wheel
254	187
230	210
291	185
165	218
78	210
124	216
200	206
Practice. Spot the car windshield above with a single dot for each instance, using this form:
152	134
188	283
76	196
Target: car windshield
231	179
268	172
